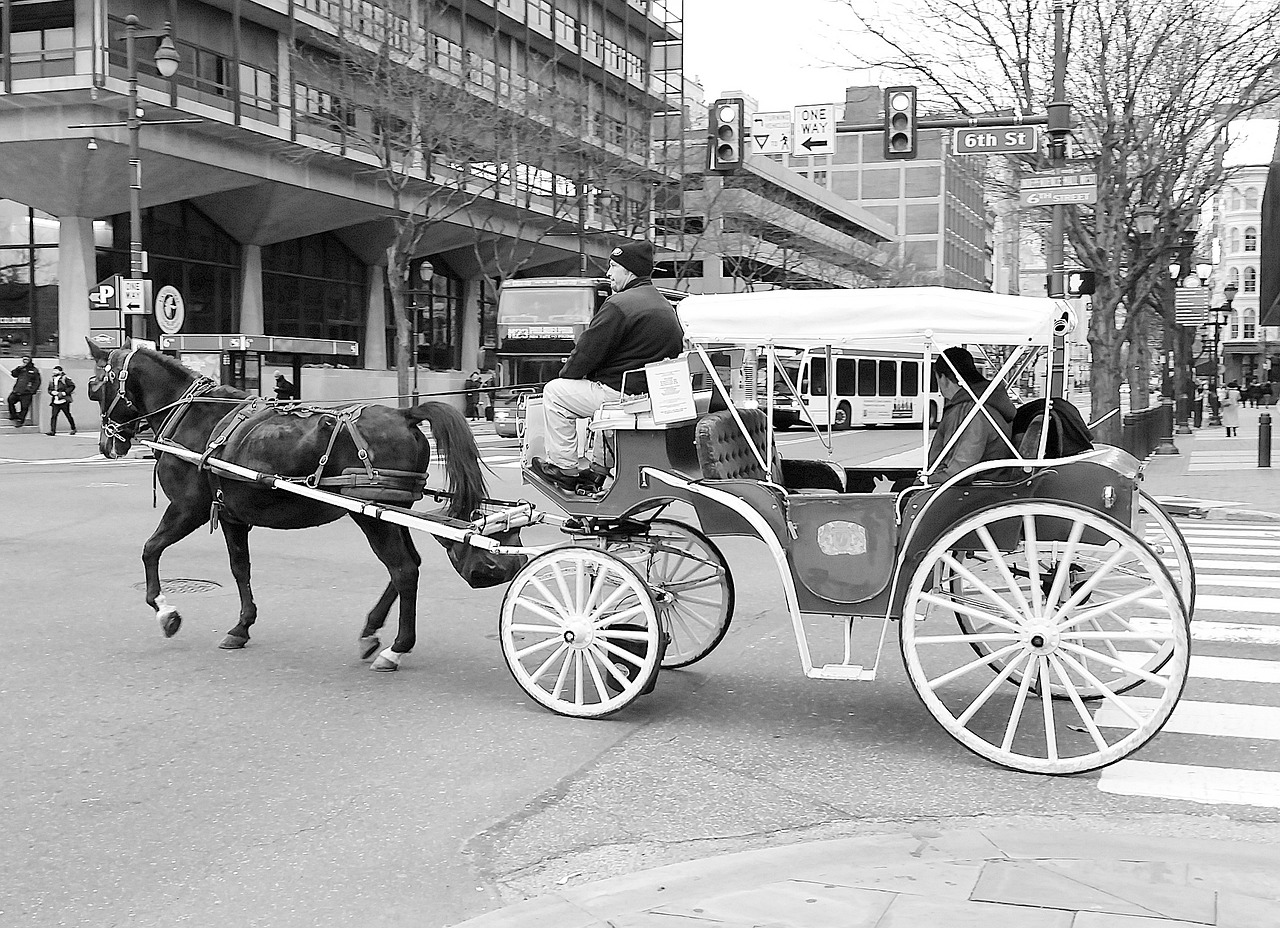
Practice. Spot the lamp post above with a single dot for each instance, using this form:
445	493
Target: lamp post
1221	315
166	59
425	271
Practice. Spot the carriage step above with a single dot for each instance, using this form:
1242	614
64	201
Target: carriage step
842	672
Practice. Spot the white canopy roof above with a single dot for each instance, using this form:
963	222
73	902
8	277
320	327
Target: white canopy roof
915	315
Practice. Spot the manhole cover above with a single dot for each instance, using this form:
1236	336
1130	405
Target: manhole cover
182	585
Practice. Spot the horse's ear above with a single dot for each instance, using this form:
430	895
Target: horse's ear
98	354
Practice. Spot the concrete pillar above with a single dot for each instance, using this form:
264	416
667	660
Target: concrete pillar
251	290
375	320
77	273
471	325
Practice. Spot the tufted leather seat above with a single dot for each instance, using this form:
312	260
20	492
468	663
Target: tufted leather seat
723	450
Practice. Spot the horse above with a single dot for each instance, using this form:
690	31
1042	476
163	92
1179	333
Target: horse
315	446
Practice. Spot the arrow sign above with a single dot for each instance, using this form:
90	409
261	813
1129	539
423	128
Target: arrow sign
106	293
769	133
814	129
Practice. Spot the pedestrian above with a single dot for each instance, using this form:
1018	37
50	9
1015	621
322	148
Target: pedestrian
1266	393
60	389
26	385
488	381
471	397
284	389
1197	404
1230	400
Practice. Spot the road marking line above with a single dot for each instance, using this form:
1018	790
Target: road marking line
1204	630
1227	785
1227	565
1253	583
1260	605
1204	667
1219	549
1227	720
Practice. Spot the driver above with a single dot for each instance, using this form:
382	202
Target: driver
634	327
980	440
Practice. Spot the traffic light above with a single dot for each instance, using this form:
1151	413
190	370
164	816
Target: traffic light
726	144
1081	283
900	123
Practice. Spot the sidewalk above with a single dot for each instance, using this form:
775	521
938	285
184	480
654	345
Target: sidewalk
961	879
1217	478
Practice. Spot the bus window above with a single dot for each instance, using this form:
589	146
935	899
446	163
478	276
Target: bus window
846	377
816	374
888	378
866	378
910	378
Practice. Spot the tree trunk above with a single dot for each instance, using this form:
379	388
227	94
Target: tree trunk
397	262
1184	372
1140	364
1106	372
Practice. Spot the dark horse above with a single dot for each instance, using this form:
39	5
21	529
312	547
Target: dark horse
311	445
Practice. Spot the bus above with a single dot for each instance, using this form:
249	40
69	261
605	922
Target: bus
539	321
871	388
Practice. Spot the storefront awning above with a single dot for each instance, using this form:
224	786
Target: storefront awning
261	344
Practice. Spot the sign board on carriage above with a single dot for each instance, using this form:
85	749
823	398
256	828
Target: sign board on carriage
771	133
670	391
814	130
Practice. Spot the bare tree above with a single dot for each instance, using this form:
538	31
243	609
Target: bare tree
447	137
1154	85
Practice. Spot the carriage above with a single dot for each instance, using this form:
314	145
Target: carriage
1042	601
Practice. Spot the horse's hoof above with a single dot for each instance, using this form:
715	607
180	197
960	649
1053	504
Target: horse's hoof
170	622
368	646
383	665
233	643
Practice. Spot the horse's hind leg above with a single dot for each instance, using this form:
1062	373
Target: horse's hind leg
395	549
176	524
236	535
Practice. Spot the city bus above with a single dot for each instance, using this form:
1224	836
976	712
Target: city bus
883	387
539	321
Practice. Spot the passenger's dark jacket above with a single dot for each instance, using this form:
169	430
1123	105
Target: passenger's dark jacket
26	380
979	441
636	326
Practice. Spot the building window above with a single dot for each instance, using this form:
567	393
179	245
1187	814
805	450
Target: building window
1250	239
1233	241
1250	325
1251	280
441	317
1251	198
258	88
28	280
1236	201
1233	276
313	287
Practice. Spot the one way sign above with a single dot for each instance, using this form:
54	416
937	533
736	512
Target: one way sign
815	130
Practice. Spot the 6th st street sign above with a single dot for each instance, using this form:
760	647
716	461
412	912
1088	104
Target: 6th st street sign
996	140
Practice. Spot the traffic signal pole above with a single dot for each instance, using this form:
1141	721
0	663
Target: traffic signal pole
1059	129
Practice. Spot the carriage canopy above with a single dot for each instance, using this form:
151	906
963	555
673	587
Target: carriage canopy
906	317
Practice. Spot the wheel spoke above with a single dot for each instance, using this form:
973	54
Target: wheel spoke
1107	693
614	618
563	586
621	593
539	610
623	634
1063	573
1131	597
1046	700
986	660
578	682
562	676
1088	586
589	657
1015	715
540	646
997	558
996	598
545	665
618	675
981	699
699	601
985	638
1032	549
558	605
1081	709
1117	663
966	609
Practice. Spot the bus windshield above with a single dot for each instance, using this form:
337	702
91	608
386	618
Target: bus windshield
552	306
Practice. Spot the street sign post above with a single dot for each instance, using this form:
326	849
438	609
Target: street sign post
1061	186
771	133
815	130
996	140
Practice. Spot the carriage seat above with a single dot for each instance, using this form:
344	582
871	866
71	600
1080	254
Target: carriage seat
1068	433
724	452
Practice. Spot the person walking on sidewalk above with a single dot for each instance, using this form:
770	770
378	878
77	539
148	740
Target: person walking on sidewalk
60	389
26	386
1230	400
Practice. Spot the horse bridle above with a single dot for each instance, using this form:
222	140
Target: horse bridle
110	427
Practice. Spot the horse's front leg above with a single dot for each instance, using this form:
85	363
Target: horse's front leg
377	617
236	535
395	549
177	523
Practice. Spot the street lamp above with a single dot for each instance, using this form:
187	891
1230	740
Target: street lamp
1221	315
166	59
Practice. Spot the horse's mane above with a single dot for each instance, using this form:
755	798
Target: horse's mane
168	364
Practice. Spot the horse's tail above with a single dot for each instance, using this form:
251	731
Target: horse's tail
461	455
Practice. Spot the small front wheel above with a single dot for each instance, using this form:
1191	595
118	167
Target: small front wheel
1064	610
580	633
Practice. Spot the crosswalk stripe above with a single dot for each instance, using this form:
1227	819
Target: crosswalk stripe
1260	605
1204	630
1206	667
1251	583
1222	719
1224	785
1204	564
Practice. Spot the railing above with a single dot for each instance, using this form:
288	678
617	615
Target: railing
1143	430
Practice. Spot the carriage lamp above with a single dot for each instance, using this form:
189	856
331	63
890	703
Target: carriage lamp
1108	497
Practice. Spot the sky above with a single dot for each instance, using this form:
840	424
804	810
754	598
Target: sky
778	51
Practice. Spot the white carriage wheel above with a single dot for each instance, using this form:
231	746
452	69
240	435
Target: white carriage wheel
1083	635
691	585
580	633
1153	525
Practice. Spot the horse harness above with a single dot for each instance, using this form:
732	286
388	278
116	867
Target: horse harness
115	430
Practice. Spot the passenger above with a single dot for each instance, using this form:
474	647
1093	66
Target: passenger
980	440
635	326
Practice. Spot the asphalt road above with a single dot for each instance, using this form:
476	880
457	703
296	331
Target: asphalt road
152	781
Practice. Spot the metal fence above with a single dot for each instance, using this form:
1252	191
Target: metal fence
1142	430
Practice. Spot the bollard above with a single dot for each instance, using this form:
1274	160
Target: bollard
1162	437
1264	440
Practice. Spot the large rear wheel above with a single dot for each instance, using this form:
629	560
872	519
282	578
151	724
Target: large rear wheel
1068	609
580	633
